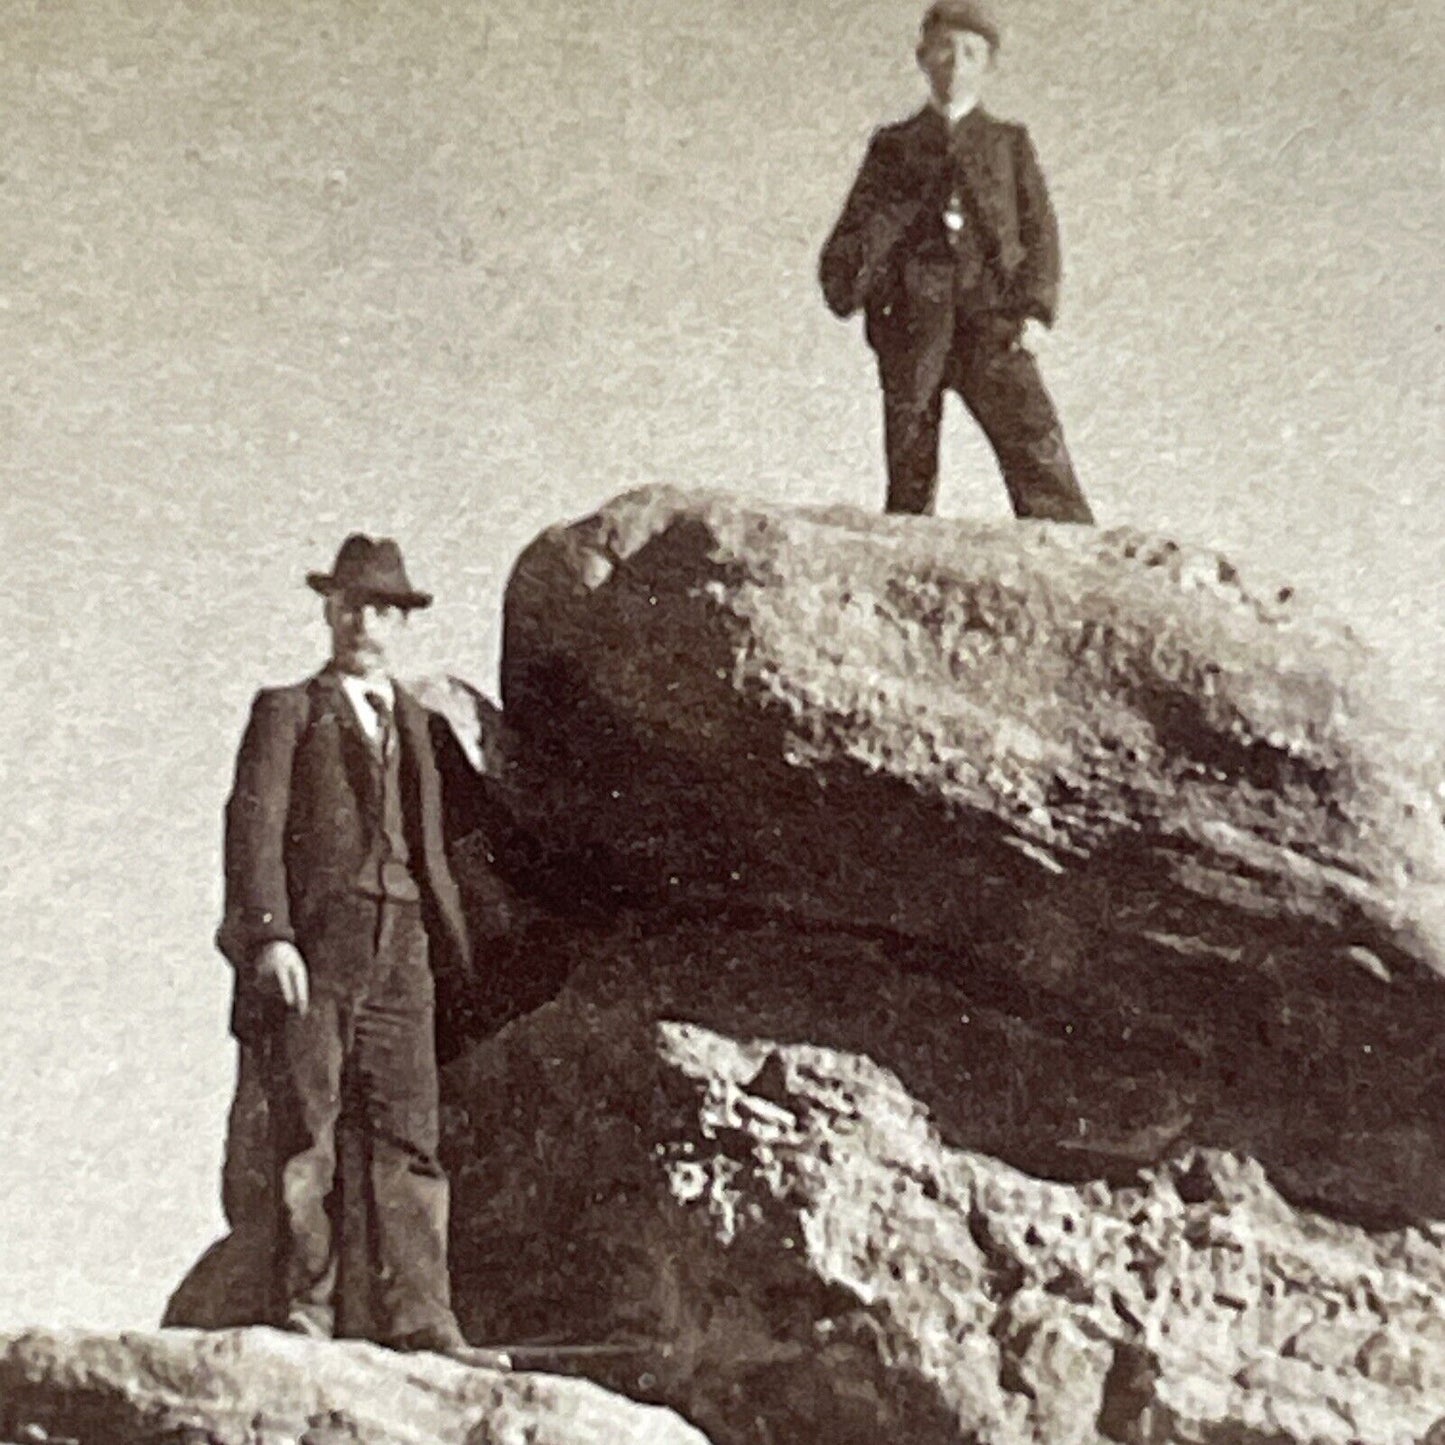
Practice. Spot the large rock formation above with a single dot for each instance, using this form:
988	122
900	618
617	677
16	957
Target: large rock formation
1000	991
786	1162
258	1387
1095	778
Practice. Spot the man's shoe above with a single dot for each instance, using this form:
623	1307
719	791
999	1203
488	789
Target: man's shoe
447	1340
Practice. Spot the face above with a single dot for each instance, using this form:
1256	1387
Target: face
955	62
363	632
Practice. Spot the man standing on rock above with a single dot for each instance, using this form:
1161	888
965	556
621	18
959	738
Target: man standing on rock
949	245
339	905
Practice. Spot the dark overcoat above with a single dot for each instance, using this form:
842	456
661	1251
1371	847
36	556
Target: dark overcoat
298	831
889	252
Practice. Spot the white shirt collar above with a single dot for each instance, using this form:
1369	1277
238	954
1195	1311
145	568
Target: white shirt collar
954	113
356	690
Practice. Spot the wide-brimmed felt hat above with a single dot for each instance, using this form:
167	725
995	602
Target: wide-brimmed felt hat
370	567
973	15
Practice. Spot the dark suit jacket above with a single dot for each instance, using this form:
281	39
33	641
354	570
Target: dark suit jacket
297	832
889	252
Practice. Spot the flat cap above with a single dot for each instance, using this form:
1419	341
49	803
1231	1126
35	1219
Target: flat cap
973	15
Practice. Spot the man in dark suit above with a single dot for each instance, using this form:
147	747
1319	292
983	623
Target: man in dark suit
949	245
341	915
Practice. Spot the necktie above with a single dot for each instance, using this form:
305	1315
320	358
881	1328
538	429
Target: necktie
385	729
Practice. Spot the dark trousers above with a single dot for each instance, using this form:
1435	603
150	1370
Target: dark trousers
1003	390
360	1067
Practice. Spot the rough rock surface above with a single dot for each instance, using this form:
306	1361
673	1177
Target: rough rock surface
258	1387
881	723
720	1142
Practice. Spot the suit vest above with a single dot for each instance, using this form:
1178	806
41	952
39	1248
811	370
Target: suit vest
386	870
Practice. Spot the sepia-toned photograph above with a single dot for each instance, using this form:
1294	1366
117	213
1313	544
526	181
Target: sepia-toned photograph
728	722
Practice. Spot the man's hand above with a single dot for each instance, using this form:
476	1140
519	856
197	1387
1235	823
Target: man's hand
280	969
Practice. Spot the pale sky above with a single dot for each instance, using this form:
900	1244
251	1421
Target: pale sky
272	273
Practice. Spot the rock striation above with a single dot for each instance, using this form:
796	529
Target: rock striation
965	984
259	1387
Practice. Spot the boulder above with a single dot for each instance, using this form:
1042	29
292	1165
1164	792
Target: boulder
259	1387
844	1202
1094	760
